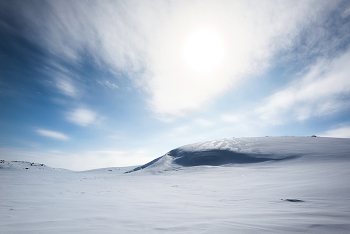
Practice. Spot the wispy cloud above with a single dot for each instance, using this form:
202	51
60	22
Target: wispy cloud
146	40
323	90
66	87
108	84
82	117
52	134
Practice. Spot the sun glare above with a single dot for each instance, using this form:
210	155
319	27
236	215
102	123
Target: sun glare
204	50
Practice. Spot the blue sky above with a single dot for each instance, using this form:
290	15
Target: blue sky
90	84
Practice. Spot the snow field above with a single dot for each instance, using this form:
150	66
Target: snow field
235	198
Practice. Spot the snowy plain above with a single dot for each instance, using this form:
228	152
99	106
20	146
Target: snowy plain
243	185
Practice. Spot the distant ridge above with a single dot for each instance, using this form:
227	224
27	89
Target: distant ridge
24	165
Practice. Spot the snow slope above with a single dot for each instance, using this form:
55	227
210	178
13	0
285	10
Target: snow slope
246	185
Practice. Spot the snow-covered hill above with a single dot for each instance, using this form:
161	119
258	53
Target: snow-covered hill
24	165
246	185
250	150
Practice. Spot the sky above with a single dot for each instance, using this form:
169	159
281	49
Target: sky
92	84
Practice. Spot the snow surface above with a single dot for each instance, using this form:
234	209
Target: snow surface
245	185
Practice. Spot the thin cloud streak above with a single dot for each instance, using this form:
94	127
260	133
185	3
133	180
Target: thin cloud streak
66	87
52	134
82	117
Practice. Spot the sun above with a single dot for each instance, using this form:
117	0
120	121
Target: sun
204	50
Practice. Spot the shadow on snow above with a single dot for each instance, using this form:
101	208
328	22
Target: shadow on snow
214	158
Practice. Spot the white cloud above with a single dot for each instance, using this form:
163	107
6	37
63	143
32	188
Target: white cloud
249	44
66	87
343	132
323	90
52	134
146	39
82	117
